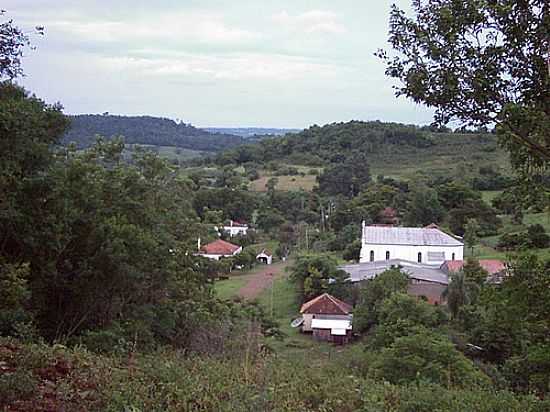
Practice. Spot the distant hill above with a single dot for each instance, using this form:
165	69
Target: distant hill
146	130
251	132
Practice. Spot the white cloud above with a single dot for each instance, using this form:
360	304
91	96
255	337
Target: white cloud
193	27
241	67
313	21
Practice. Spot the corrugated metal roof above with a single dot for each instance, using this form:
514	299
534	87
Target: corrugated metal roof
369	270
417	236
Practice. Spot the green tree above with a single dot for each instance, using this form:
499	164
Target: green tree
353	251
459	292
427	356
373	292
470	234
316	274
424	207
481	63
12	42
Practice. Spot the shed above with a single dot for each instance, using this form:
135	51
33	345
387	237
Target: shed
265	256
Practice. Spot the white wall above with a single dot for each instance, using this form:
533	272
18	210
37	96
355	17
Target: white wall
410	252
218	257
235	230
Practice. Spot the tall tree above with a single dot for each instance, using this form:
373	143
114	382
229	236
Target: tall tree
470	234
480	63
12	42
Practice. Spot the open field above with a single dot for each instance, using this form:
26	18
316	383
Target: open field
167	152
486	248
286	183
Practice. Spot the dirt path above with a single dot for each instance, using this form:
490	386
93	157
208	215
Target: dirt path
261	279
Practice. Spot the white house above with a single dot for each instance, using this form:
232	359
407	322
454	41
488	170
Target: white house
218	249
235	228
423	245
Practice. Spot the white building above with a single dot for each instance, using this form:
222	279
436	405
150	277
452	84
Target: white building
423	245
235	228
265	256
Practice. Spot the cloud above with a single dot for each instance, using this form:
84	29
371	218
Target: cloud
166	28
313	21
239	67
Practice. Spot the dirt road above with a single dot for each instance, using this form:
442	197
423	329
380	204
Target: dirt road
261	279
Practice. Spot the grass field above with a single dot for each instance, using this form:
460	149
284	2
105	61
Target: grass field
286	183
453	155
167	152
486	248
228	288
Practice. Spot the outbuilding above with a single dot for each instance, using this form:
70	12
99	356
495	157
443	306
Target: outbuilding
265	256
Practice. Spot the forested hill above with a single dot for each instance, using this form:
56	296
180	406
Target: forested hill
320	145
146	130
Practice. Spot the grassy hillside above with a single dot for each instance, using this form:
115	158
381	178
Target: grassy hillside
391	149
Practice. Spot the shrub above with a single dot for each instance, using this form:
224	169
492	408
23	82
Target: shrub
427	356
18	385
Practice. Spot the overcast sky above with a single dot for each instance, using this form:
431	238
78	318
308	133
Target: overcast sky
285	63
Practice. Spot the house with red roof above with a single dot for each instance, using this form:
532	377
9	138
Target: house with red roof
218	249
494	267
327	318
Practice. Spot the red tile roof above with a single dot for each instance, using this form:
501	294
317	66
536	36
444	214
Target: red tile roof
326	305
219	247
492	266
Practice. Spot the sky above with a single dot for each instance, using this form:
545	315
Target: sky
231	63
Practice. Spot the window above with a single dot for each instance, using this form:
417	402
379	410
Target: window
372	255
453	257
436	256
419	257
387	255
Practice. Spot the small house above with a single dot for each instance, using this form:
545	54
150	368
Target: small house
218	249
265	256
327	318
234	228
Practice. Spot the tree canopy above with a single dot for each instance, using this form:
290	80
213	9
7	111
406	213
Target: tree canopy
480	63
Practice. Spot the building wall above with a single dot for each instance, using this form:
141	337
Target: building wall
325	335
235	230
410	252
431	290
306	326
218	257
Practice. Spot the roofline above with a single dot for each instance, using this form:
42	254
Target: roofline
411	244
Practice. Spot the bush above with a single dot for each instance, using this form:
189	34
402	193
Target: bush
18	385
427	356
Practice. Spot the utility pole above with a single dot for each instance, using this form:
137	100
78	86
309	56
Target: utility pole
271	304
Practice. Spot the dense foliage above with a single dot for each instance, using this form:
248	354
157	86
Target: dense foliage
145	130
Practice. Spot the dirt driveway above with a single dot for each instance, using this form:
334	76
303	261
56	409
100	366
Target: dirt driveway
260	279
